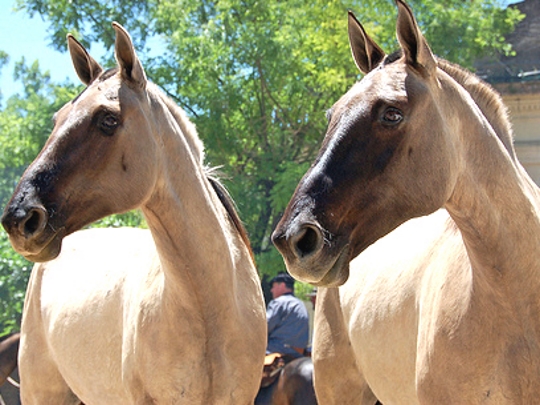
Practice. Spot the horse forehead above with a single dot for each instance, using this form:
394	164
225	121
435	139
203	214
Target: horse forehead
98	94
387	84
85	104
104	91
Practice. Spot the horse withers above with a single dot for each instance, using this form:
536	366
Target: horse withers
131	316
423	230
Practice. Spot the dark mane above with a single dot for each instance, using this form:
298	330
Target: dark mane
108	73
190	133
394	56
229	205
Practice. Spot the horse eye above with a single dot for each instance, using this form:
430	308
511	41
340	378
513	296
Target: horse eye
392	116
108	124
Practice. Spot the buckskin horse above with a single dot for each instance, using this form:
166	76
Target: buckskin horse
424	229
128	316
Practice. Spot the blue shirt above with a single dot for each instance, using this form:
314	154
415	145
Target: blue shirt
288	325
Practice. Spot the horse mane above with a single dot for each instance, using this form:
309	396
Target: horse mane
179	115
486	97
230	207
189	131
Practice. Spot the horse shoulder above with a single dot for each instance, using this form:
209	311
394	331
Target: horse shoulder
390	293
337	377
80	297
94	266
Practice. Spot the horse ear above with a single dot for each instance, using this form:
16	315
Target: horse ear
366	53
86	67
413	43
130	65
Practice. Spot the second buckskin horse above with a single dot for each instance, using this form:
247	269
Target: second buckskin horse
127	316
418	196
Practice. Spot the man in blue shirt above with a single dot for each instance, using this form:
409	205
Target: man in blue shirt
288	320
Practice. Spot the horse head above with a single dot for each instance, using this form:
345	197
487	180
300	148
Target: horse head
386	157
89	166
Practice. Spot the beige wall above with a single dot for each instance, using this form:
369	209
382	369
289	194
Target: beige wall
525	116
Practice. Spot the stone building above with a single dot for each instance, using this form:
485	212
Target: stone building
517	78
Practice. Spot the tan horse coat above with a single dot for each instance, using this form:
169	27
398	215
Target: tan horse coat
437	309
126	316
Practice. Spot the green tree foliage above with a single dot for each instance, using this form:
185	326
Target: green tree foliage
257	76
26	120
258	80
4	59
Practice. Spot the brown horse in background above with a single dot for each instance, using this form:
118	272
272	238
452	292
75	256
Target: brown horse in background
9	350
424	229
294	385
173	314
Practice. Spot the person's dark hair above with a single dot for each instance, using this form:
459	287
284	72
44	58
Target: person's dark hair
283	278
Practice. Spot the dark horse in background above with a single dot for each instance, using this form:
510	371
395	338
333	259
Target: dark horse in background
9	351
294	386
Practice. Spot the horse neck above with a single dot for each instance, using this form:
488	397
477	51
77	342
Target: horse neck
485	98
201	254
494	203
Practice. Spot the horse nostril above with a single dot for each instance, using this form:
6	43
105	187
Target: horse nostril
34	222
308	241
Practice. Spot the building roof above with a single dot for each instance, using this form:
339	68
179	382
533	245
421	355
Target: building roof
525	40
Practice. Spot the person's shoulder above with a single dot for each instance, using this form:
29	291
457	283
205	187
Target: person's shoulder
291	298
283	299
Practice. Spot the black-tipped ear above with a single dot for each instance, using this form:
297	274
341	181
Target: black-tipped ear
130	65
366	53
415	47
86	67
